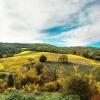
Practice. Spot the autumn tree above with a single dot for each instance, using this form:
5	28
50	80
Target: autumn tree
63	59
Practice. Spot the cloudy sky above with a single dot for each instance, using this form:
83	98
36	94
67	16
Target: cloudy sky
57	22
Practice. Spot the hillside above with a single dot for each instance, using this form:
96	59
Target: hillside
9	49
17	62
24	75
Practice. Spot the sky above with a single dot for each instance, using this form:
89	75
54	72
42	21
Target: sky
56	22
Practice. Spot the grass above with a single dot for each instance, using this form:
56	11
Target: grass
44	96
54	56
15	63
82	60
1	67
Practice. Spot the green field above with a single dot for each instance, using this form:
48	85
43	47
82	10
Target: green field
13	63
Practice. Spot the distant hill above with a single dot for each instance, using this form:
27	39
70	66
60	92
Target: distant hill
8	49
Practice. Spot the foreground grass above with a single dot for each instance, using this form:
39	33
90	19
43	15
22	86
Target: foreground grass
43	96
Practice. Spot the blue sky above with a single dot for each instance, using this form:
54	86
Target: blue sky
57	22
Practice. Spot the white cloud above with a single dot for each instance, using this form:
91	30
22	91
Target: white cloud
22	20
42	13
82	36
86	34
24	37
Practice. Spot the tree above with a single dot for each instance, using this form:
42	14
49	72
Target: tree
43	58
97	58
10	80
1	56
63	59
78	86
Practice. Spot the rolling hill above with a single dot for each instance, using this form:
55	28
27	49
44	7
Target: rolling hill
16	63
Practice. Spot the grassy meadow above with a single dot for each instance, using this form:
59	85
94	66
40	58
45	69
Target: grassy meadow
17	62
76	66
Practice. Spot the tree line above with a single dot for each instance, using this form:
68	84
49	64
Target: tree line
9	49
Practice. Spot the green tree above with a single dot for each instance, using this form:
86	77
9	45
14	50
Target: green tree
78	86
43	58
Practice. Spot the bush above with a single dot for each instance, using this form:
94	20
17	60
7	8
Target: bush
97	73
46	73
39	68
78	86
63	59
43	58
25	78
51	86
60	72
97	58
10	80
17	82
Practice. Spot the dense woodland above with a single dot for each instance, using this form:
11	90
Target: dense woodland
9	49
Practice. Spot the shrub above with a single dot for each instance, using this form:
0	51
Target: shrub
60	72
39	66
97	73
17	82
98	87
60	82
10	80
97	58
31	73
32	88
63	59
78	86
2	75
1	56
46	73
3	85
51	86
43	58
27	80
